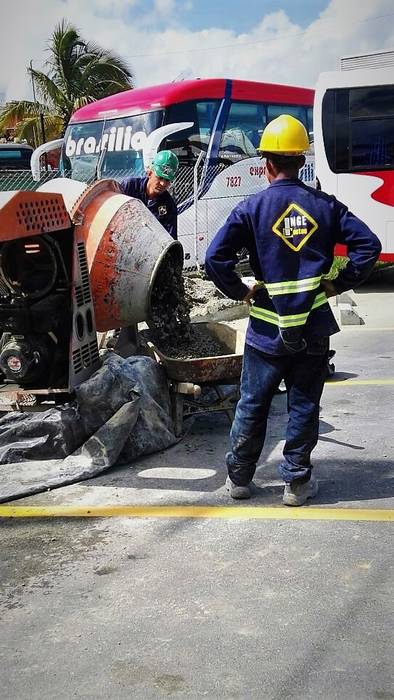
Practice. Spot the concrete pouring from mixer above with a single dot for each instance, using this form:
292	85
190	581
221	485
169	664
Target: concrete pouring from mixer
135	267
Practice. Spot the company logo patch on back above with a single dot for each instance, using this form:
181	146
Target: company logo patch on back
295	226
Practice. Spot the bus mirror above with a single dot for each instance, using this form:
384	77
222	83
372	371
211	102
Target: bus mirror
52	150
155	138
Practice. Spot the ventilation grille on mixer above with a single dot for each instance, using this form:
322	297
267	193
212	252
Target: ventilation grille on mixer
82	292
42	214
85	356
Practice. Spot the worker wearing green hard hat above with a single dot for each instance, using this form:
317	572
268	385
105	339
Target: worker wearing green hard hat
165	165
152	189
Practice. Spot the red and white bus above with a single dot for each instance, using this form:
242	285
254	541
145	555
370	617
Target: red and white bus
214	127
354	140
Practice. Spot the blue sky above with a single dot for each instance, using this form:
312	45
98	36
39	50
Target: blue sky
282	41
233	14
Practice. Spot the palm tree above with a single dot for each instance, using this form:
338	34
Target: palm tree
78	72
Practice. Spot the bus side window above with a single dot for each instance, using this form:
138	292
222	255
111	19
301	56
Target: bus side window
242	132
188	144
297	111
372	127
335	118
358	128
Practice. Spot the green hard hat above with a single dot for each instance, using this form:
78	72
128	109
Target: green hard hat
165	164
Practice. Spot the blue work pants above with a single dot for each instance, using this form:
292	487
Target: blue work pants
304	374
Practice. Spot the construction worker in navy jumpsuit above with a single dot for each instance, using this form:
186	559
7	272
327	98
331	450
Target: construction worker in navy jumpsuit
290	231
152	190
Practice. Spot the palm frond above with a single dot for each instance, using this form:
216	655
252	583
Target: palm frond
82	101
17	110
78	72
104	78
47	88
111	58
31	129
65	46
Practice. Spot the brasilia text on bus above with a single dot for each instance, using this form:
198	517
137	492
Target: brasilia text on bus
116	139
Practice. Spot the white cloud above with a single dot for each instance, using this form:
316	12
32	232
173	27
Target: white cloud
114	5
275	50
164	7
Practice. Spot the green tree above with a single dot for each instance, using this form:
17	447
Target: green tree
76	73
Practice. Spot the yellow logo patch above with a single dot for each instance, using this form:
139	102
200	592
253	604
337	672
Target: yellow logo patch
295	226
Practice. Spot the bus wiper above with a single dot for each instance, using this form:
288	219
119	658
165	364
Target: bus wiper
97	172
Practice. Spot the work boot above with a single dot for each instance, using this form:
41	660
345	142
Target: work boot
296	493
238	492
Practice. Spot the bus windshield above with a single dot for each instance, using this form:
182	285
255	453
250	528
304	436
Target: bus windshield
122	139
13	158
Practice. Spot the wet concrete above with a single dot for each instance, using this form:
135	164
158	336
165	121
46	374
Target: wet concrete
170	311
170	325
199	343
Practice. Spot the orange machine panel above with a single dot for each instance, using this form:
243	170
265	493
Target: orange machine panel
24	214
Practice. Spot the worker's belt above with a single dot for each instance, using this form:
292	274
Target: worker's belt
287	321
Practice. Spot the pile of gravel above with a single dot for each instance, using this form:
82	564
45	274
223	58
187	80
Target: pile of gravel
207	303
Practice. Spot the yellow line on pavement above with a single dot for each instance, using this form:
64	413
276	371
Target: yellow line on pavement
367	328
215	512
360	382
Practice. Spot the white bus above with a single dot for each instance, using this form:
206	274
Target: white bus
354	140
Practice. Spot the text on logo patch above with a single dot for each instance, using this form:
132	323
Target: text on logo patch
295	226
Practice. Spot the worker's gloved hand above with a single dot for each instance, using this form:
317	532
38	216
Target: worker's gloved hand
329	288
248	299
292	340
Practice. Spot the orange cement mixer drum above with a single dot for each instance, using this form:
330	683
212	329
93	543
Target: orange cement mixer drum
125	247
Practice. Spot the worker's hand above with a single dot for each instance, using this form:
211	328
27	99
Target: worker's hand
252	289
329	288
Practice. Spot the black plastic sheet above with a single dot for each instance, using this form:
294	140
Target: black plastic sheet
120	413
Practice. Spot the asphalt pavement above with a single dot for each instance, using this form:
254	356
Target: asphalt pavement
146	582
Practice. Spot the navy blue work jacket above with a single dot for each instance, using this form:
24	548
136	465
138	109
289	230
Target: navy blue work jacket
162	207
290	231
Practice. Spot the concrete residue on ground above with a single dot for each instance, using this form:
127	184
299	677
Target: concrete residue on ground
207	303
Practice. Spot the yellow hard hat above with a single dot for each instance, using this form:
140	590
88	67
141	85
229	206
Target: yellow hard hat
285	136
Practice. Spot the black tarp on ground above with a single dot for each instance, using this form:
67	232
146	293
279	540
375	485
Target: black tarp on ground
120	413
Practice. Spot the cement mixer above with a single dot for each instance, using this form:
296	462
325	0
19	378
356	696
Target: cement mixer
73	260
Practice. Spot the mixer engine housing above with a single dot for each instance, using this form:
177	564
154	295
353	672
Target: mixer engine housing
48	334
